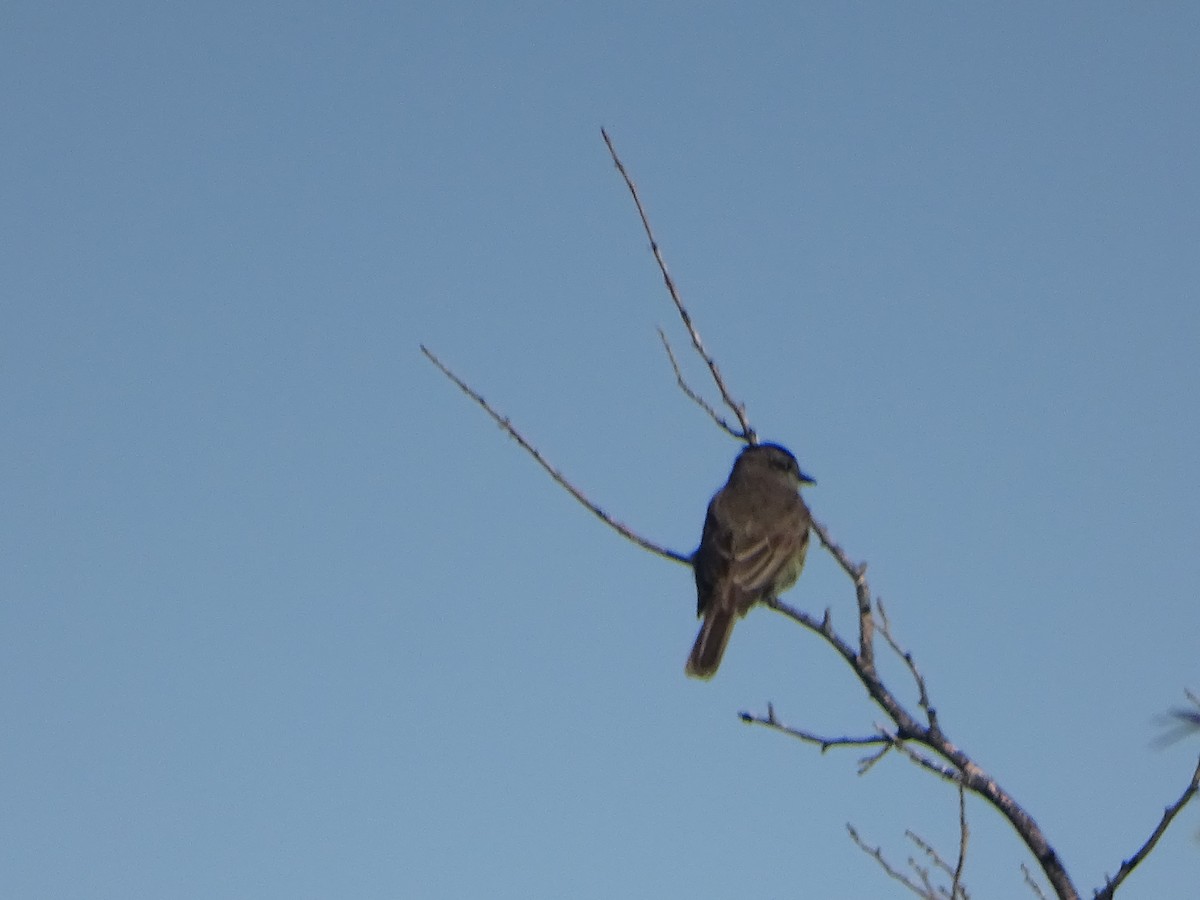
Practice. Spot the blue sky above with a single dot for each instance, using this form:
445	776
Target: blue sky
282	615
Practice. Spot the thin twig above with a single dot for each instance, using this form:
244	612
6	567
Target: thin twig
691	394
944	772
885	628
738	409
1111	885
622	529
927	848
876	853
866	763
956	890
862	592
822	626
928	890
964	835
808	737
1033	885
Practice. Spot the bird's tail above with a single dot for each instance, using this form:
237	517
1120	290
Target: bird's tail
710	643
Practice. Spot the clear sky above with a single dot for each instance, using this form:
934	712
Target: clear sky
282	615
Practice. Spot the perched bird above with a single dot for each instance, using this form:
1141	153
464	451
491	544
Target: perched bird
752	548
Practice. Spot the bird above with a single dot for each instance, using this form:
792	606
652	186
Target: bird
752	547
1185	722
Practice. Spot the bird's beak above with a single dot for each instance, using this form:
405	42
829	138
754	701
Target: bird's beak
804	479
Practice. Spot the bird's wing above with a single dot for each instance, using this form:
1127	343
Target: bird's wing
741	565
757	561
712	561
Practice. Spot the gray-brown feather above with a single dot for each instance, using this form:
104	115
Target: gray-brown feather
755	533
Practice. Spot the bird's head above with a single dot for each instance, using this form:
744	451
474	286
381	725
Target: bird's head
775	458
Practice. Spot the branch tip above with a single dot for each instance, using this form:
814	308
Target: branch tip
503	421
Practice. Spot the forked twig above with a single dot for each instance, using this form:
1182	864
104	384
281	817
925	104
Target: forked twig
946	773
926	889
867	763
857	573
885	628
876	853
738	409
691	394
928	849
770	721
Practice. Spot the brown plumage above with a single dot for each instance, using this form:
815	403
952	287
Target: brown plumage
752	548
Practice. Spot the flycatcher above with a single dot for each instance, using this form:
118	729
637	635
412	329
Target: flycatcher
752	548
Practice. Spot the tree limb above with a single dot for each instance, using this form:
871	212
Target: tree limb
963	770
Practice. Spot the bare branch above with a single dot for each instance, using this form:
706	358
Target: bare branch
822	627
928	889
769	721
964	835
866	763
738	409
962	769
623	530
691	394
885	628
1111	885
862	590
927	848
944	772
876	853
